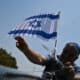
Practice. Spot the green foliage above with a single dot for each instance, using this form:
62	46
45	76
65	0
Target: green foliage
6	59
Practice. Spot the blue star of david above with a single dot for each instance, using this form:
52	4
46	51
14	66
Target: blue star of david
35	23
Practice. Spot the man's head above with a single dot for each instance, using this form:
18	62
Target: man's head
70	52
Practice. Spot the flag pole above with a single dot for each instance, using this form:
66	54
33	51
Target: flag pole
54	50
56	31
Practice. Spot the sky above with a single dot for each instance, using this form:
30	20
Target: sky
13	12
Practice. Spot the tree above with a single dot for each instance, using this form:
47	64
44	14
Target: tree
6	59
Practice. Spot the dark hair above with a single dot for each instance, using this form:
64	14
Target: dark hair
75	45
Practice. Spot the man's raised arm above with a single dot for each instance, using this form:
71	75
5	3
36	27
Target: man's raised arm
29	53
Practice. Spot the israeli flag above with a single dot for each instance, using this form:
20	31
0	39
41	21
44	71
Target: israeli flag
43	26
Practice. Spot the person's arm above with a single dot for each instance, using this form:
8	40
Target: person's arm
77	76
30	54
71	74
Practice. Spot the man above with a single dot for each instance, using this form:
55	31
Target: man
63	67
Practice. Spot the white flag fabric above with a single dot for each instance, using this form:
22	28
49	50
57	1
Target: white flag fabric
43	26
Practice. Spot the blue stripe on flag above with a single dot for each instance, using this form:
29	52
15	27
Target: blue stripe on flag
51	16
44	26
37	32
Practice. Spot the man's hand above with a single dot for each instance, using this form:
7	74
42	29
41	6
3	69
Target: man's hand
21	44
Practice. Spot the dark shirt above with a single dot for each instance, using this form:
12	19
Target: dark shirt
52	67
55	70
